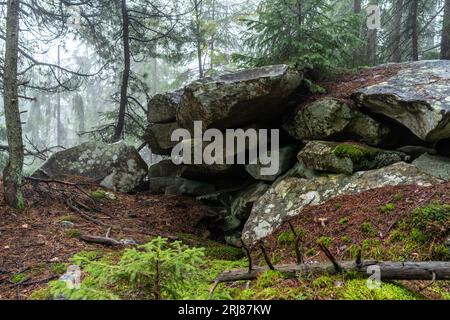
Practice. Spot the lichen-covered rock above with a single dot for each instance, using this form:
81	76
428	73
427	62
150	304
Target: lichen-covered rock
162	107
286	160
346	157
236	99
288	197
178	185
335	119
158	136
115	166
434	165
417	97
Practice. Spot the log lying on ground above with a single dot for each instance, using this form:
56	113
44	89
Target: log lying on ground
100	240
430	270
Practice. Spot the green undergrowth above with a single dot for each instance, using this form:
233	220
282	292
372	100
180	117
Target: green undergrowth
356	152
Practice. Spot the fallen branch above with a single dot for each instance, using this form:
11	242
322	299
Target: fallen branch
84	215
389	270
100	240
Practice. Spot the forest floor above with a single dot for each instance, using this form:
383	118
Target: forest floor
35	242
35	246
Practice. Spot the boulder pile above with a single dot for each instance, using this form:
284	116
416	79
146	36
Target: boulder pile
390	130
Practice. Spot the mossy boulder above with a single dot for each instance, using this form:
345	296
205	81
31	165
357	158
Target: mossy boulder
116	166
335	119
346	157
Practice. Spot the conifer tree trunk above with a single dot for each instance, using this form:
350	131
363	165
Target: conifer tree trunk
445	43
118	134
397	32
415	30
12	174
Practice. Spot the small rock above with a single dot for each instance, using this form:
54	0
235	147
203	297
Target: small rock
128	242
67	224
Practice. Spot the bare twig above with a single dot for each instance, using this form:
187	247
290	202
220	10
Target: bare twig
266	257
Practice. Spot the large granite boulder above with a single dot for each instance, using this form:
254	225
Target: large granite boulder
286	199
434	165
346	157
335	119
418	97
158	136
162	107
115	166
236	99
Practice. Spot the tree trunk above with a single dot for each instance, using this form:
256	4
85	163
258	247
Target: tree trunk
387	270
58	106
118	134
415	31
199	38
357	6
372	46
396	38
445	43
12	174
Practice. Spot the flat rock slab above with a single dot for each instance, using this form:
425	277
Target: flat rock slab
115	166
417	97
236	99
287	198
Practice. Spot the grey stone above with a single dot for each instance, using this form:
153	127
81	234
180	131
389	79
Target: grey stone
242	202
346	158
67	224
235	99
436	166
162	107
417	97
128	242
158	136
416	151
115	166
286	160
335	119
287	198
177	185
